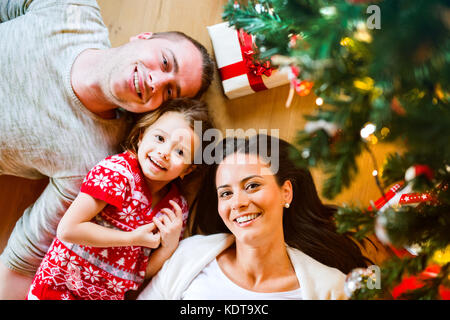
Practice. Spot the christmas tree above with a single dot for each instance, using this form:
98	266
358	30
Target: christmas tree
381	72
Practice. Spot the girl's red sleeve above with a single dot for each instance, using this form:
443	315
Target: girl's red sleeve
106	184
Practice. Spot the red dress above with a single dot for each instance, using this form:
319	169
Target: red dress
71	271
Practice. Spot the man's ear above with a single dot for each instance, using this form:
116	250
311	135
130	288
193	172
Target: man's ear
187	171
144	36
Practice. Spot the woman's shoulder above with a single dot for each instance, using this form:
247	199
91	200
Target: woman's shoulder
204	240
310	262
197	248
328	282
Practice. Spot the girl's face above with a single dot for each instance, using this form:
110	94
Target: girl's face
250	202
166	149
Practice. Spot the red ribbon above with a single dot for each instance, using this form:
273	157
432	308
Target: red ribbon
248	65
388	196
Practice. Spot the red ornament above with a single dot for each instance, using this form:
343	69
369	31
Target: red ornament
415	282
418	170
293	40
397	107
303	88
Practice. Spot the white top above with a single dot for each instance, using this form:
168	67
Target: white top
317	281
212	284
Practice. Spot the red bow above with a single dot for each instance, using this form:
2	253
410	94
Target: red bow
255	66
253	69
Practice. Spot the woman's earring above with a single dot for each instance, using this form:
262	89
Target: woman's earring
287	205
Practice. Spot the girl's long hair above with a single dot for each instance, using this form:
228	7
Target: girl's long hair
308	224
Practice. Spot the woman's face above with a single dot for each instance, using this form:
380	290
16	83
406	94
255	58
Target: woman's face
250	202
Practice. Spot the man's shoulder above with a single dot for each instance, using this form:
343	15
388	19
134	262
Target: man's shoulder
34	5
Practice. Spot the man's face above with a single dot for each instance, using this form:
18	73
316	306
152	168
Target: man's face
144	73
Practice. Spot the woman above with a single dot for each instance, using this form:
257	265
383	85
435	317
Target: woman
272	239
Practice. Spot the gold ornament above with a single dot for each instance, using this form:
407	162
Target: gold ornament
438	91
385	131
442	257
365	84
347	42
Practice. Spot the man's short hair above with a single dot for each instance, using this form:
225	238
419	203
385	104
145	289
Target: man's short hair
208	63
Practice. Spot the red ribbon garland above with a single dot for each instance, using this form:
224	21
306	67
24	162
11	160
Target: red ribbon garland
248	65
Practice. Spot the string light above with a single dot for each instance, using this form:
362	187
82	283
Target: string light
259	8
319	101
306	153
367	130
328	11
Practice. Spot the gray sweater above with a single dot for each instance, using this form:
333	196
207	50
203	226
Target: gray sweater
45	131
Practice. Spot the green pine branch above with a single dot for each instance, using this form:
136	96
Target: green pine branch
396	78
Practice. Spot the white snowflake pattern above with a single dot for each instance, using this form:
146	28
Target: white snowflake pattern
121	262
104	253
101	180
91	274
58	254
116	286
128	214
119	189
70	261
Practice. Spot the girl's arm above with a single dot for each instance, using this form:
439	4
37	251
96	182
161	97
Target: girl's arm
76	227
169	225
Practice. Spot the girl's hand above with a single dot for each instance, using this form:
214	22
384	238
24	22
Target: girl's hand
144	236
170	225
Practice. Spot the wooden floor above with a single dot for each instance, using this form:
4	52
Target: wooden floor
263	110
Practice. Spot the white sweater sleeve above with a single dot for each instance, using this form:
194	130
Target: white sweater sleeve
191	256
153	291
12	9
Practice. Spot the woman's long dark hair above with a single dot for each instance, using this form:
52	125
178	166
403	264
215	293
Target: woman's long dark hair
308	224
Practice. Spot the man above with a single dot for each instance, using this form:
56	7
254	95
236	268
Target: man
64	98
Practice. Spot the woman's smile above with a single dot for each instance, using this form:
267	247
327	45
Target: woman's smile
246	219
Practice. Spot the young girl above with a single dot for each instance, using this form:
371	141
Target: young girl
127	206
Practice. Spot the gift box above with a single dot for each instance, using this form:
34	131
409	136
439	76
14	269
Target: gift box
240	72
